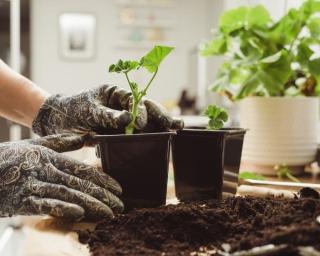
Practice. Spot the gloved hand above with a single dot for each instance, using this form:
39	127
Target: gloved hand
36	180
102	110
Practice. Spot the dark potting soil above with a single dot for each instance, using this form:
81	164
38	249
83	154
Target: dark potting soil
181	229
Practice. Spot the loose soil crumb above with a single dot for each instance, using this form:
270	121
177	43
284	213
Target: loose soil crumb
233	224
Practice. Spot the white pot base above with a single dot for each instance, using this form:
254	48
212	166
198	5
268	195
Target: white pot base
268	170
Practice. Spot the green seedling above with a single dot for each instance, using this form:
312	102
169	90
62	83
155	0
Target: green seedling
283	171
217	117
251	175
151	62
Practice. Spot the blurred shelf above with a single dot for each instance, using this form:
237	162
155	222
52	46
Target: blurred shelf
142	44
146	3
164	24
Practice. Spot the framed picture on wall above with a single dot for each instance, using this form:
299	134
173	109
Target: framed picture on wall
77	36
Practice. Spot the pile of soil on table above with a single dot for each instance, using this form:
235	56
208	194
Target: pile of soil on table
242	223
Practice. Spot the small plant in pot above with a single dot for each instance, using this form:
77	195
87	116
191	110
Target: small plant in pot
273	69
139	162
206	161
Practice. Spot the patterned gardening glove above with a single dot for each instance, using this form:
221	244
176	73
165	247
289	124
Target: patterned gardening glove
102	110
36	180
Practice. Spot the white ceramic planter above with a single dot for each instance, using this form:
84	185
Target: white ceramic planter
282	130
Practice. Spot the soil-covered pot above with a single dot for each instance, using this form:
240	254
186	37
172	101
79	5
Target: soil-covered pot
139	162
206	163
283	130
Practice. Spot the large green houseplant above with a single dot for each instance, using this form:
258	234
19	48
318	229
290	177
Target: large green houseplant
272	65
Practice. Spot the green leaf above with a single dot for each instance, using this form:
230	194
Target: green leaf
317	89
220	84
314	27
217	116
132	65
152	59
274	75
112	68
273	58
120	64
251	51
233	19
267	76
258	16
273	85
244	17
215	124
216	46
248	88
310	7
304	53
287	29
238	75
271	72
228	75
251	175
314	67
123	66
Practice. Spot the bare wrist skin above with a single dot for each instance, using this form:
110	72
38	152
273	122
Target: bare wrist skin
34	99
20	99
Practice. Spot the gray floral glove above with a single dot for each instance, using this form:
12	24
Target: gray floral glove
102	110
36	180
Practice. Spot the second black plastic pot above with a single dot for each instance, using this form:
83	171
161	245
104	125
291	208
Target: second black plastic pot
206	163
139	162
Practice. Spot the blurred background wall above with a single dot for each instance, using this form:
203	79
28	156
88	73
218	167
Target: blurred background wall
184	23
123	29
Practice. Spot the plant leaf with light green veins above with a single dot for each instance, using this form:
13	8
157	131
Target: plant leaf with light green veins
152	59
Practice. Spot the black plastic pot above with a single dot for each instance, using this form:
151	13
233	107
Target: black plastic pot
206	163
139	162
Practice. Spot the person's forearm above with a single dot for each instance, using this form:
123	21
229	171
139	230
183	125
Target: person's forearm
20	99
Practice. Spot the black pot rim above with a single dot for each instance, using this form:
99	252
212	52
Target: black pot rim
204	131
139	136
